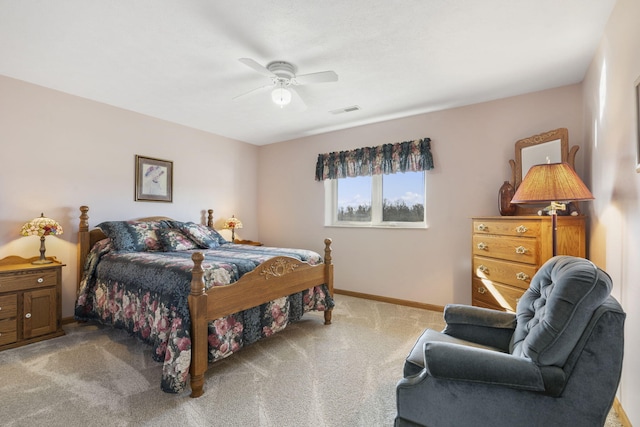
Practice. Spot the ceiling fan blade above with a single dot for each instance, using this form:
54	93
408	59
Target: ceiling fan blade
257	67
242	95
297	103
321	77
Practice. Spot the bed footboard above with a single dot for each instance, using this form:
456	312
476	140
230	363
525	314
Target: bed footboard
275	278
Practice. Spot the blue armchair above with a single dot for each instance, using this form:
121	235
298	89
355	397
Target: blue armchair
555	362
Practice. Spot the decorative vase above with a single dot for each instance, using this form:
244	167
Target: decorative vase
504	199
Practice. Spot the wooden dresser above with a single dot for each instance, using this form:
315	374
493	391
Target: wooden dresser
508	250
30	301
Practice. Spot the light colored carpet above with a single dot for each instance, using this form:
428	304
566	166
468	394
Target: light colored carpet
308	375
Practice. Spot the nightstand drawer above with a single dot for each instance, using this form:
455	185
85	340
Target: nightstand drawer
36	279
8	331
8	306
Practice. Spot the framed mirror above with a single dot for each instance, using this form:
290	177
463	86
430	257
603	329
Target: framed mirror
551	146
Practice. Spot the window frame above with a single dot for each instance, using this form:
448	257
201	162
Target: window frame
331	207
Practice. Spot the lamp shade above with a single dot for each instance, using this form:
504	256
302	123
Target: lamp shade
233	223
41	226
551	182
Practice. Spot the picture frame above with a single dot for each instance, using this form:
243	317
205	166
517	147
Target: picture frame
637	115
154	180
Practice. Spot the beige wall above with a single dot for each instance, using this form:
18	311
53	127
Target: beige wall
471	147
611	138
60	151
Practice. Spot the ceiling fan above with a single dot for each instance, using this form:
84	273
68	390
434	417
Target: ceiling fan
283	78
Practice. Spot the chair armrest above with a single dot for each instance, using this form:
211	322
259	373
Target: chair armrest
479	316
484	326
457	362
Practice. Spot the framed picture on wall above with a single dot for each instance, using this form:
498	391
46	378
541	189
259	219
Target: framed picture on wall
637	96
154	180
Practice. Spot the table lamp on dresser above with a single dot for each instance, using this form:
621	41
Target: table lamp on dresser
553	183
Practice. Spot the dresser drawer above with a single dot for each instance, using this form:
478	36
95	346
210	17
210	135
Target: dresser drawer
8	331
8	306
523	228
35	279
496	295
519	249
510	273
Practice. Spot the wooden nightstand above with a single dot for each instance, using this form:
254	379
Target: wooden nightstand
30	301
247	242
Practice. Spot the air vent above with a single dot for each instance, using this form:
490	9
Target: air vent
346	109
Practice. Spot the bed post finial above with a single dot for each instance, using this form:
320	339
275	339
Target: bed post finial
84	218
327	251
210	218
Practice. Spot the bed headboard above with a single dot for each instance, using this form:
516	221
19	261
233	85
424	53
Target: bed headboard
87	238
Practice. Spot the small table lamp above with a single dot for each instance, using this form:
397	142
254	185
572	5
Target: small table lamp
233	223
554	183
41	226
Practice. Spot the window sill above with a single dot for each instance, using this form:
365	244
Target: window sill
387	226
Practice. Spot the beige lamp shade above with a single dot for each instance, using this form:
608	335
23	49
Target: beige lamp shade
552	182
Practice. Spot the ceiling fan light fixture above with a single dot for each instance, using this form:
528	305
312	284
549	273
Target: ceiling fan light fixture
281	96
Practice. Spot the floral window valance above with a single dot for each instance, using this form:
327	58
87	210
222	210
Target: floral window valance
408	156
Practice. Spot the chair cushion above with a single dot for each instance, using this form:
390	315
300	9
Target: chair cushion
553	313
415	360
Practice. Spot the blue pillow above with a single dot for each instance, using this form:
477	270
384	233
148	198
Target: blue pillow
174	240
204	236
133	236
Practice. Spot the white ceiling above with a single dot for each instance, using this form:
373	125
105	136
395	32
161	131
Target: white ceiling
178	59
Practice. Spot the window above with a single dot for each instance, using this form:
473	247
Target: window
382	186
392	200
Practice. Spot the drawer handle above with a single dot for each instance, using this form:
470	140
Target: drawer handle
28	315
482	246
521	229
522	276
482	290
482	227
40	280
483	268
521	250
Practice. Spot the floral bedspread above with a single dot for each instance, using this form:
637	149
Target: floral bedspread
146	294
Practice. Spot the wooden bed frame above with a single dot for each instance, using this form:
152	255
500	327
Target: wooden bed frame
274	278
